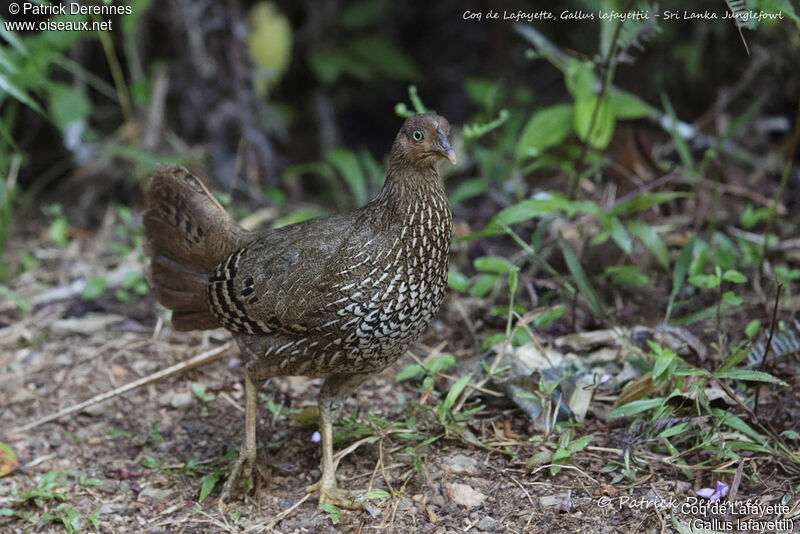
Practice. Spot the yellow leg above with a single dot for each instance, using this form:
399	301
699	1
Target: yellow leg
243	468
331	399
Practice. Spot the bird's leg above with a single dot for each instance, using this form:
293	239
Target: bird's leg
243	468
331	399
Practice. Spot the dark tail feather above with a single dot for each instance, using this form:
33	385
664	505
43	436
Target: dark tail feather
187	234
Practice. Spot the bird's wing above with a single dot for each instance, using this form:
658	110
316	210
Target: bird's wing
282	281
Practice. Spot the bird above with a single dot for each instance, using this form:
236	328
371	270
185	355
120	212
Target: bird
339	297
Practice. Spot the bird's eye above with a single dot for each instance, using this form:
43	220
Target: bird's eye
418	135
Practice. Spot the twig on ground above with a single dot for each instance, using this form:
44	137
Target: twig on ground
186	365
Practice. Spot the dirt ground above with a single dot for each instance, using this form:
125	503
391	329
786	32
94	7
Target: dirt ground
137	462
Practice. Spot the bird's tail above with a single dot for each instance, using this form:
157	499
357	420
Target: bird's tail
187	234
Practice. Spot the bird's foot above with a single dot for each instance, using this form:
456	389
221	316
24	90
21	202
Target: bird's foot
330	494
241	475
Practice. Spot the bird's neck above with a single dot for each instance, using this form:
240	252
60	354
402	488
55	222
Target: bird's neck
409	189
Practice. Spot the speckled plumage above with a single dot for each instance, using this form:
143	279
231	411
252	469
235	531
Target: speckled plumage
338	297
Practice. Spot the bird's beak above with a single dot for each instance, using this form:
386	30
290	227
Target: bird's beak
444	147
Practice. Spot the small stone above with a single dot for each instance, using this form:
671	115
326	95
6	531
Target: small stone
487	524
95	410
461	464
175	399
464	495
155	494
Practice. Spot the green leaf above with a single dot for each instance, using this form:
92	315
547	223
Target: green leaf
578	274
679	274
580	443
645	233
738	424
603	127
208	483
547	127
627	275
548	316
457	281
376	494
579	78
618	233
18	93
333	510
705	281
455	392
440	363
637	406
384	57
94	288
408	372
66	104
483	284
751	217
734	276
749	376
626	105
348	166
645	201
752	328
200	390
361	14
492	264
467	189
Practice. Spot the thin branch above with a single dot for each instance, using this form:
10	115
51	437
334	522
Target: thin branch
186	365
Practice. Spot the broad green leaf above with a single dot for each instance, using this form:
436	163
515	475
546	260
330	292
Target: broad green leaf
361	14
67	104
208	483
348	166
466	190
738	424
637	406
705	281
626	105
455	392
578	274
602	127
579	78
384	57
752	328
627	275
750	376
547	127
483	284
408	372
440	363
734	276
492	264
618	233
457	281
548	316
645	233
580	443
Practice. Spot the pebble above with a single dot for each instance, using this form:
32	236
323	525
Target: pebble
464	495
461	464
155	494
175	399
487	524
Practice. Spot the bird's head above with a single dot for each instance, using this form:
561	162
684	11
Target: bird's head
424	140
